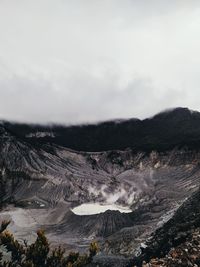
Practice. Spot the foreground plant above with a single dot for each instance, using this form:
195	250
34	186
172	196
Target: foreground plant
39	253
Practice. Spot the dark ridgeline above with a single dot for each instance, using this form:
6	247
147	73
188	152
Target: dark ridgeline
174	128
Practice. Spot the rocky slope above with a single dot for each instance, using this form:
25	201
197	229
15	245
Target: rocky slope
41	179
185	255
177	242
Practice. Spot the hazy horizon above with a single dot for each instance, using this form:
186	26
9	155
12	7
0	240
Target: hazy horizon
117	120
83	62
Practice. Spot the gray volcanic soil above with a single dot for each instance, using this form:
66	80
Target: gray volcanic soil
45	183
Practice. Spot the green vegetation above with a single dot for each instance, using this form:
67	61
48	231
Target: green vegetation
39	253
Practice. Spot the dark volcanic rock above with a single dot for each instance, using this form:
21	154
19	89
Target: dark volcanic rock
187	254
99	225
109	261
180	228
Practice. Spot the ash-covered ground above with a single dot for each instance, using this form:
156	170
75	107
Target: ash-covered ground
44	187
119	198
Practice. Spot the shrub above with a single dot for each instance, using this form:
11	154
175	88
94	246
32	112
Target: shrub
39	254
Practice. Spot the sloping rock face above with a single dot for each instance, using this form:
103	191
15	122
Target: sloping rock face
186	254
54	173
177	243
97	225
52	178
43	179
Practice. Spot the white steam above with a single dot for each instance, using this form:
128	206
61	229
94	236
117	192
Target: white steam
119	195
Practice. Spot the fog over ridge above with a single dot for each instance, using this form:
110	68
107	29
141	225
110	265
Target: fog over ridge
82	62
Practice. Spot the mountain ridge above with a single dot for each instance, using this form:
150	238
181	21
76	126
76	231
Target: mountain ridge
179	127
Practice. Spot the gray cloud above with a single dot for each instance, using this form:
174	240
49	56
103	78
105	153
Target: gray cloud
82	61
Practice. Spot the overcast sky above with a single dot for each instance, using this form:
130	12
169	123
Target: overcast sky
72	61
